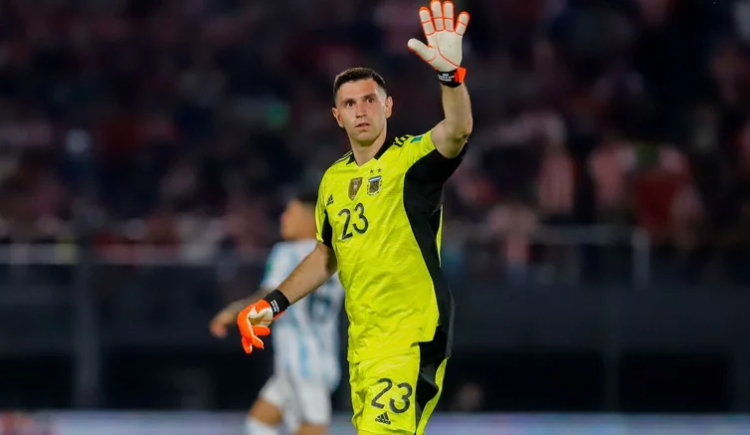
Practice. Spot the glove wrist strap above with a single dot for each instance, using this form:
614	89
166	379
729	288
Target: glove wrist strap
278	302
452	79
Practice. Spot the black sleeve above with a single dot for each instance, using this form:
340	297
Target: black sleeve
434	168
326	232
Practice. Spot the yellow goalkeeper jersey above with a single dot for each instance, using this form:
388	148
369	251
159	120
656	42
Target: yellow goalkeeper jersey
383	220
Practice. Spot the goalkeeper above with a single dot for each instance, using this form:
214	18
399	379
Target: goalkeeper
378	218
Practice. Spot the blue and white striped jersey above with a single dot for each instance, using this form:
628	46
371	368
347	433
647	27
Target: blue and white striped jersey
306	337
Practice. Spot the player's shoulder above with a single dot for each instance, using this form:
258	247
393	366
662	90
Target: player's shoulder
395	144
418	137
404	144
410	139
405	140
341	161
395	141
400	140
338	165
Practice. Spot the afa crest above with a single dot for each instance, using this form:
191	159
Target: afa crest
373	186
354	186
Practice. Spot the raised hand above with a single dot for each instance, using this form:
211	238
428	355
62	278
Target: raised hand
444	51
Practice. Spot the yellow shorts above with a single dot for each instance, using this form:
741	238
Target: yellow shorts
396	394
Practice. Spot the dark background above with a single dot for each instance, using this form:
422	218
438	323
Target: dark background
596	236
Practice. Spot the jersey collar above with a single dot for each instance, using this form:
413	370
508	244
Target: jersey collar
389	141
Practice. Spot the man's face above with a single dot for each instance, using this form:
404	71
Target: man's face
297	220
362	109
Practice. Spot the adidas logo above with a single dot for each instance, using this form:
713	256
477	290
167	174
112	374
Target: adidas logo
330	200
383	418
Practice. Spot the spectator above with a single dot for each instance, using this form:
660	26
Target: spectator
136	108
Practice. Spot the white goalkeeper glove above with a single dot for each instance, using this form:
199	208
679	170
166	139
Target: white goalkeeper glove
444	41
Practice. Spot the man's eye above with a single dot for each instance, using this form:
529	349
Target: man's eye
370	100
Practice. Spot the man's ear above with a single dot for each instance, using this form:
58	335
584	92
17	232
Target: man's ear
337	117
388	106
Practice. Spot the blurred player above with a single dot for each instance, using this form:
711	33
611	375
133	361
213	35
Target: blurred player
379	218
305	341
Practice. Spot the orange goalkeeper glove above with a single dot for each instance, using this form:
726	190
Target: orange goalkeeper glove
255	319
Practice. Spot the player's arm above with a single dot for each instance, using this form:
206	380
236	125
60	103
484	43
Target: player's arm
317	268
311	273
444	53
314	270
254	320
450	134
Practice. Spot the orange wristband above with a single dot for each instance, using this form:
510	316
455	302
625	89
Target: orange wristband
454	78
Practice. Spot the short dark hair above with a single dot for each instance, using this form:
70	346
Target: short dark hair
307	197
354	75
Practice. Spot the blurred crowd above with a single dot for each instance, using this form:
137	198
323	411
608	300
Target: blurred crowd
188	122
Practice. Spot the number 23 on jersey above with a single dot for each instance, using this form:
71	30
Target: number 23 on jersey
355	221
